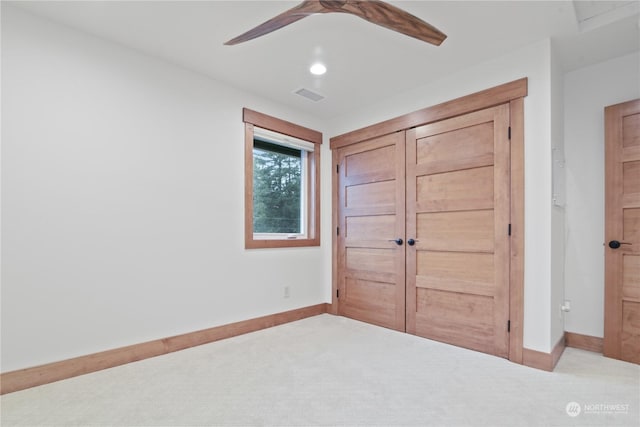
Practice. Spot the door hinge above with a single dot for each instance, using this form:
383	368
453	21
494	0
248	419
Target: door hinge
337	293
337	168
509	229
509	132
337	231
508	325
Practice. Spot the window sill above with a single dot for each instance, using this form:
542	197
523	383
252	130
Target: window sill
280	243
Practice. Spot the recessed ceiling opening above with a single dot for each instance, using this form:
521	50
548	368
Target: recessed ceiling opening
594	14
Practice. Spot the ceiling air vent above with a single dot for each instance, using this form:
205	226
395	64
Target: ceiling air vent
315	97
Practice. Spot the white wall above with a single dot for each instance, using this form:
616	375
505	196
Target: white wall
122	200
532	61
558	214
587	92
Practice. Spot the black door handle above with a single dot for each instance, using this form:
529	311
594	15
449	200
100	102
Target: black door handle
398	241
411	242
615	244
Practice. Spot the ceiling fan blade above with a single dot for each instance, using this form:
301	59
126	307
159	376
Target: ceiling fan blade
304	9
393	18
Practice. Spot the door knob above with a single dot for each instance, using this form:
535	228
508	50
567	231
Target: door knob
411	242
614	244
398	241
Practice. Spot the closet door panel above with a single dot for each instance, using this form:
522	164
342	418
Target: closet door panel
460	272
459	190
371	215
360	194
457	197
439	148
371	301
461	319
465	231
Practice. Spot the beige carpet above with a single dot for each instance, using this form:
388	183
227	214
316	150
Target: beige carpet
330	370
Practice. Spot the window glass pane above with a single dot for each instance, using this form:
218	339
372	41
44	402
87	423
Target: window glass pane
277	184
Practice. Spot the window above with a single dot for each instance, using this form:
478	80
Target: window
282	183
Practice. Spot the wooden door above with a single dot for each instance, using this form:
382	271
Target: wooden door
371	217
458	206
622	232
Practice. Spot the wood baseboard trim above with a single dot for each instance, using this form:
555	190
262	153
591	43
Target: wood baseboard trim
56	371
583	342
558	349
544	361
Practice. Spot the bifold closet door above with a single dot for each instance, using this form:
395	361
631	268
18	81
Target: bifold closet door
458	204
371	233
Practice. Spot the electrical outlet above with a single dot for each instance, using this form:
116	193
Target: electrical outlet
287	292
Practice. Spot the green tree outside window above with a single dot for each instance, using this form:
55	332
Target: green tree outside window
276	188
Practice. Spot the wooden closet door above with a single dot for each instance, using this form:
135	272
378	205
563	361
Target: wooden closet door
458	214
371	215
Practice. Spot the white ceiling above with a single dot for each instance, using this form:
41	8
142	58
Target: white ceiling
366	63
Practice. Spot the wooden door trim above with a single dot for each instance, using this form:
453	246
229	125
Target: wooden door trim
613	179
410	212
335	220
512	93
467	104
516	264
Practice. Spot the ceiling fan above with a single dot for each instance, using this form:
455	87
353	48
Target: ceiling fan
375	11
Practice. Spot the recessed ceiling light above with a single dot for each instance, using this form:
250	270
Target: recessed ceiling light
318	69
